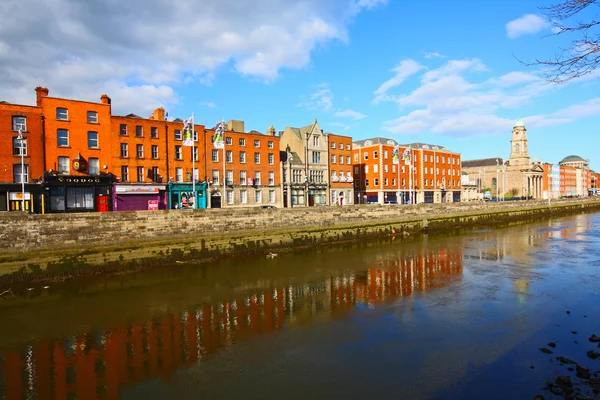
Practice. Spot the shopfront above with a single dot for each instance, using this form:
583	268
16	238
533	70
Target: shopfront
15	198
181	195
456	197
133	197
69	193
317	196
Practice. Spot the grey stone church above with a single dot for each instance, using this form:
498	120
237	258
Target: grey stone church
518	175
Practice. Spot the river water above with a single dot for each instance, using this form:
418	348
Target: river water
442	317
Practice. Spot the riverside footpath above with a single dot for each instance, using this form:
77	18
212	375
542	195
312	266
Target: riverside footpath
59	246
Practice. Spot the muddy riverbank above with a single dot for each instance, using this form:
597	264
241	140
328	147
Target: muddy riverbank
56	247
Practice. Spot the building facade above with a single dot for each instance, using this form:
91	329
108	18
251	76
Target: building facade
422	172
310	145
21	157
516	177
340	170
247	171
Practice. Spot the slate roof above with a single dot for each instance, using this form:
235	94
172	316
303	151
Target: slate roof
483	162
375	140
419	145
295	157
301	132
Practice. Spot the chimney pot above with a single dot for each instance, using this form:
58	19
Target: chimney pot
39	93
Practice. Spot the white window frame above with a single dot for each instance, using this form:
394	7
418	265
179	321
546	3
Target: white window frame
94	117
94	166
65	168
58	137
59	114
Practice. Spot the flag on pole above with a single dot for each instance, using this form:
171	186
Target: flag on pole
218	141
406	156
188	131
396	155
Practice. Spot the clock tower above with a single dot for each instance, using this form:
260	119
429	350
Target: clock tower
519	152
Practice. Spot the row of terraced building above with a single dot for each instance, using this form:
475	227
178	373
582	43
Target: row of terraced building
65	155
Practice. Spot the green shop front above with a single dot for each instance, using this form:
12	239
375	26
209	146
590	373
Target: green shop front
182	195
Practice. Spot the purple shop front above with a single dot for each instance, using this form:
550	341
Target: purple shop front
136	197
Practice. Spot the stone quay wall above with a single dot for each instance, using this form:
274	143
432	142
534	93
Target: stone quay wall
56	231
100	238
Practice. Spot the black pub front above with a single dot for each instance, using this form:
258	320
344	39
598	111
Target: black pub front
68	193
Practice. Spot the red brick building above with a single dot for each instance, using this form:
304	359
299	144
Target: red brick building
435	177
28	119
341	185
78	151
246	172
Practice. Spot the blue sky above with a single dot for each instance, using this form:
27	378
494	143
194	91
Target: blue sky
435	71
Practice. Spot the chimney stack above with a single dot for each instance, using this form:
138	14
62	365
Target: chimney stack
39	93
235	126
105	99
159	114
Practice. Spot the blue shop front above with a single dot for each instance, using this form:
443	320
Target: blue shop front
181	195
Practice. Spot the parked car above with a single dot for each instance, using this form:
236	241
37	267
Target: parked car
268	206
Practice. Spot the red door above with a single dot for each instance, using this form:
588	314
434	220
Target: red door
102	203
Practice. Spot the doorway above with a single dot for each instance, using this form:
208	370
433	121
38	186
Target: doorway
215	200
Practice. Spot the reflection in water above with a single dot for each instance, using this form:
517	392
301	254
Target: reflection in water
98	364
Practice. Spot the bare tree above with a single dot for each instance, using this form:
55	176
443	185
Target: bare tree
582	56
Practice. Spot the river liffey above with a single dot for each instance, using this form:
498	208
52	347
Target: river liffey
481	315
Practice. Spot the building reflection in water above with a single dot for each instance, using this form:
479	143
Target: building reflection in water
98	364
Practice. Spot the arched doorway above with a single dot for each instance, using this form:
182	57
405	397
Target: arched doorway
215	200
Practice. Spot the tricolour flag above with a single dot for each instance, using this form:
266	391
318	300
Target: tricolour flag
188	131
218	137
406	156
396	155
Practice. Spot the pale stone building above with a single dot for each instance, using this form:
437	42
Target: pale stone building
309	181
518	175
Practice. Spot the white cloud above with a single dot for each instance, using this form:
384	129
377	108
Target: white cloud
455	67
341	125
369	4
403	71
148	43
208	104
526	25
590	108
321	99
451	100
355	115
515	78
434	54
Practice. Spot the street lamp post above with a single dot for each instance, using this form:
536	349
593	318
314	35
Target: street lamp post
306	170
21	139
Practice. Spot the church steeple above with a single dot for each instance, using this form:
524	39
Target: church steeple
519	153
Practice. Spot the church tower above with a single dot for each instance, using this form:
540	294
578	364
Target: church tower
519	153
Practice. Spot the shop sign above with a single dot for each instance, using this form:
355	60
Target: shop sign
152	205
79	180
19	196
139	189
